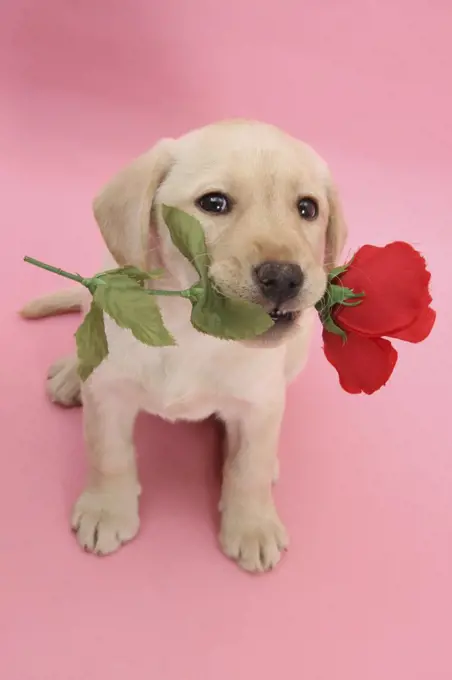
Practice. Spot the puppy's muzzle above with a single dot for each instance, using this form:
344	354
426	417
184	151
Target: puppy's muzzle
279	282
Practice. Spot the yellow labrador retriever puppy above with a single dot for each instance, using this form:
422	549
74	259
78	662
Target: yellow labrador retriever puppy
273	227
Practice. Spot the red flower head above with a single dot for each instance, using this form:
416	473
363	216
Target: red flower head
382	292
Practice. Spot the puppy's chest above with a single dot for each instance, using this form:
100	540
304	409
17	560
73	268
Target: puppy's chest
181	386
196	378
190	382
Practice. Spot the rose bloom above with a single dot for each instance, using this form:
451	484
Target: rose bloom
396	304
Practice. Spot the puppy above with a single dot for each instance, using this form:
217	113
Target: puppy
273	227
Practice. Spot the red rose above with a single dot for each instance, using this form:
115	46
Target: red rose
396	303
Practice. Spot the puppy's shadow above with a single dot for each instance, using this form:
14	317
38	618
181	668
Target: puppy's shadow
180	468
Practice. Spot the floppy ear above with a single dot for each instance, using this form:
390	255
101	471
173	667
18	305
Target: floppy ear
123	207
336	234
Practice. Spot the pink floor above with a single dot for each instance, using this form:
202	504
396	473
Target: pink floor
365	592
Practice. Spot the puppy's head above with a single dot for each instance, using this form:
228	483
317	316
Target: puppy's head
270	213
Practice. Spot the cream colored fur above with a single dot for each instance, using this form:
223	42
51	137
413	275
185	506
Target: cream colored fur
265	171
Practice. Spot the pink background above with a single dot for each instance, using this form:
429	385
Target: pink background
365	592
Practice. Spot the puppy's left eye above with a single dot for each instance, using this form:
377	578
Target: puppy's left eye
214	202
308	208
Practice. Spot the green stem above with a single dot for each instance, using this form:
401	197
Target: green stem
87	282
55	270
180	293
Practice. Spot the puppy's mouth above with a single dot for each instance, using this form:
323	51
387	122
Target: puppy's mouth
283	318
284	324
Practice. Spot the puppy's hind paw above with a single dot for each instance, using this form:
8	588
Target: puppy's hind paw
63	383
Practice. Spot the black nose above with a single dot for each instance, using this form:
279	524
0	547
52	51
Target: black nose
279	281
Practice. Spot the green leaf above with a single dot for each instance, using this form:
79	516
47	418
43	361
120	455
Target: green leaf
131	307
332	327
133	273
188	236
352	304
338	294
228	318
92	346
335	273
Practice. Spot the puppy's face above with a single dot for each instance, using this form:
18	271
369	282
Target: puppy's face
267	206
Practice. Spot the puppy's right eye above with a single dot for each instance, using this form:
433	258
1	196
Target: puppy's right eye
214	202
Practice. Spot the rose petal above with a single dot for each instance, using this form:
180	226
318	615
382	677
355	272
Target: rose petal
366	253
363	364
395	282
420	329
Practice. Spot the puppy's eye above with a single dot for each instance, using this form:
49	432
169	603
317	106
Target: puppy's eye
308	208
215	202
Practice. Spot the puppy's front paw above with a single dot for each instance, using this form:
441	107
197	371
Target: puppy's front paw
102	521
255	539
